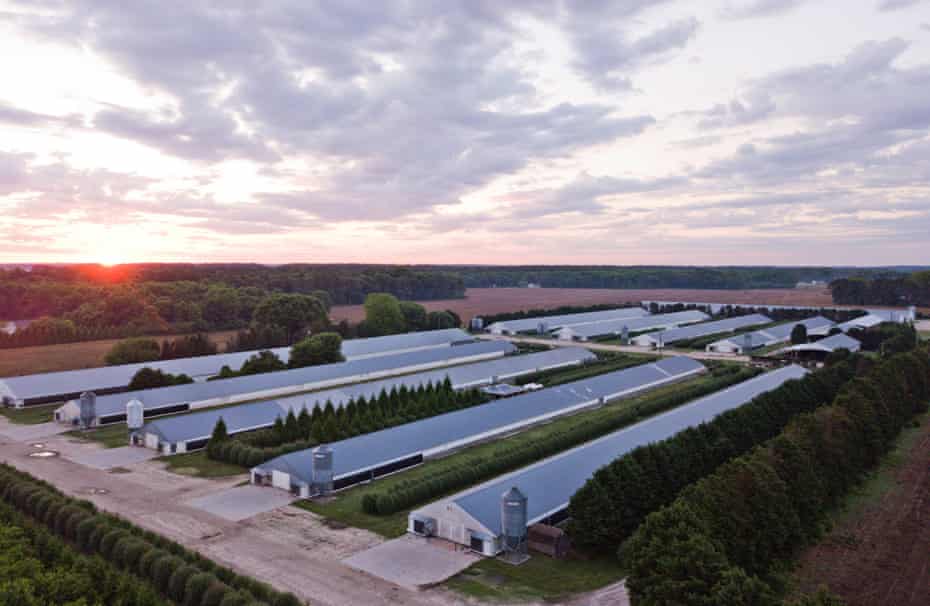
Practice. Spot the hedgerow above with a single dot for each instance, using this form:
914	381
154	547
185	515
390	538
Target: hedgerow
149	558
732	532
619	496
329	424
408	493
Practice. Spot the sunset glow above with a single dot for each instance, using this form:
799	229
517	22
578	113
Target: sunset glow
653	132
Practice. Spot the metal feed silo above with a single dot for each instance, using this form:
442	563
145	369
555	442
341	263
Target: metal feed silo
135	415
323	470
513	521
625	335
88	408
747	343
542	328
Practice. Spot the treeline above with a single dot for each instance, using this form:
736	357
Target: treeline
725	539
179	575
407	493
215	293
37	568
642	277
894	289
330	424
552	311
616	500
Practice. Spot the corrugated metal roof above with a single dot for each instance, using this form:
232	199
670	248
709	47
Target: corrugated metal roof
459	375
199	425
550	484
779	333
365	452
831	343
114	377
357	348
707	328
466	375
599	329
354	370
553	322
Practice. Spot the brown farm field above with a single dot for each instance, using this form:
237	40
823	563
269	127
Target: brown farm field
479	301
72	356
877	551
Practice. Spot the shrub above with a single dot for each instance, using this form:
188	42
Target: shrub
214	594
235	598
177	584
195	588
163	569
108	542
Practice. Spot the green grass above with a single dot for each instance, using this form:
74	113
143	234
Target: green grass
110	436
346	507
540	578
199	465
30	415
924	335
881	481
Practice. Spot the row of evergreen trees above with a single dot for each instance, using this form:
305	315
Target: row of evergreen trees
330	424
38	568
615	501
411	492
723	540
179	575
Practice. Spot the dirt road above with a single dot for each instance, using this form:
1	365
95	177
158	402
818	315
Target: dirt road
667	352
289	548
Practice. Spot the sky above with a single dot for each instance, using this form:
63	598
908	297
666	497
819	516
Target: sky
697	132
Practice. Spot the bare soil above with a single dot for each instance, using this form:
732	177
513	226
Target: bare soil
880	555
74	356
480	301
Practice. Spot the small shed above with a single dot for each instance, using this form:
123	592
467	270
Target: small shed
549	540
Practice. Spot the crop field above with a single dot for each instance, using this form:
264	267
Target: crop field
73	356
479	301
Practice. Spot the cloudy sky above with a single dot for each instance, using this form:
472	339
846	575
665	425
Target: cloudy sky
572	131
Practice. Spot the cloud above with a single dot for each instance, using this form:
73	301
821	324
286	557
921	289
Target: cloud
750	9
894	5
608	57
846	133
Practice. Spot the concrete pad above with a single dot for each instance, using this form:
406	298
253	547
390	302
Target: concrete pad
413	562
242	502
108	458
30	433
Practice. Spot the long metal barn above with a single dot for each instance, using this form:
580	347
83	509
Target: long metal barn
513	327
745	343
473	517
179	398
62	386
703	329
585	332
184	433
364	458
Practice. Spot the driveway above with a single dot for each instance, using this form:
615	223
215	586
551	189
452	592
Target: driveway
242	502
413	562
108	458
29	433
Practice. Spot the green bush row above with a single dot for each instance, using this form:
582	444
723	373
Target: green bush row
37	568
408	493
180	575
725	539
330	424
619	496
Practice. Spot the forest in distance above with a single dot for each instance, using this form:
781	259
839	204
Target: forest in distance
89	302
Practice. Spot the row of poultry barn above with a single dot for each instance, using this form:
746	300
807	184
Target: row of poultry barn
473	518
